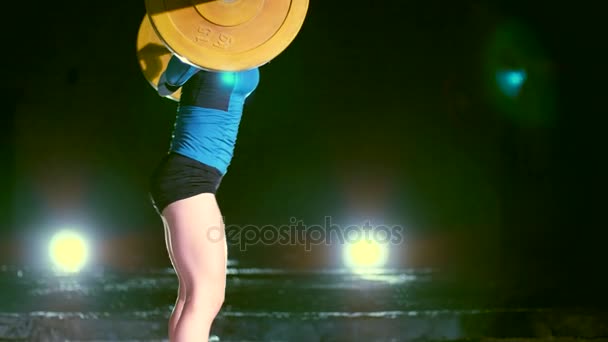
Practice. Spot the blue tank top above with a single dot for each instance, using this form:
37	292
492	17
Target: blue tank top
209	112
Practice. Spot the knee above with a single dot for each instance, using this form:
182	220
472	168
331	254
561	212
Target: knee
219	301
207	298
181	293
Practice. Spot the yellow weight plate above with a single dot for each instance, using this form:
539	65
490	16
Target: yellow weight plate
153	55
227	35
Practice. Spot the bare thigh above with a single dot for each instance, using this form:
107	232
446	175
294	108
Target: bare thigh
181	291
196	235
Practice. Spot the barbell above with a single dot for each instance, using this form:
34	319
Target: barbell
216	35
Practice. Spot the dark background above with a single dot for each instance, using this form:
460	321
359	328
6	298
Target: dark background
387	110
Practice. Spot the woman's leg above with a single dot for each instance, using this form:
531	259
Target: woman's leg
198	244
181	291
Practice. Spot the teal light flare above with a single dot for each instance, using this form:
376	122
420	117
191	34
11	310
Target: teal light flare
510	82
518	79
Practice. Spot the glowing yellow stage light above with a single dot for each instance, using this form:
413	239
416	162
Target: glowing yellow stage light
68	251
365	254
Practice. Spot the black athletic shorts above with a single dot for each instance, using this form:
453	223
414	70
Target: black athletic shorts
178	177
